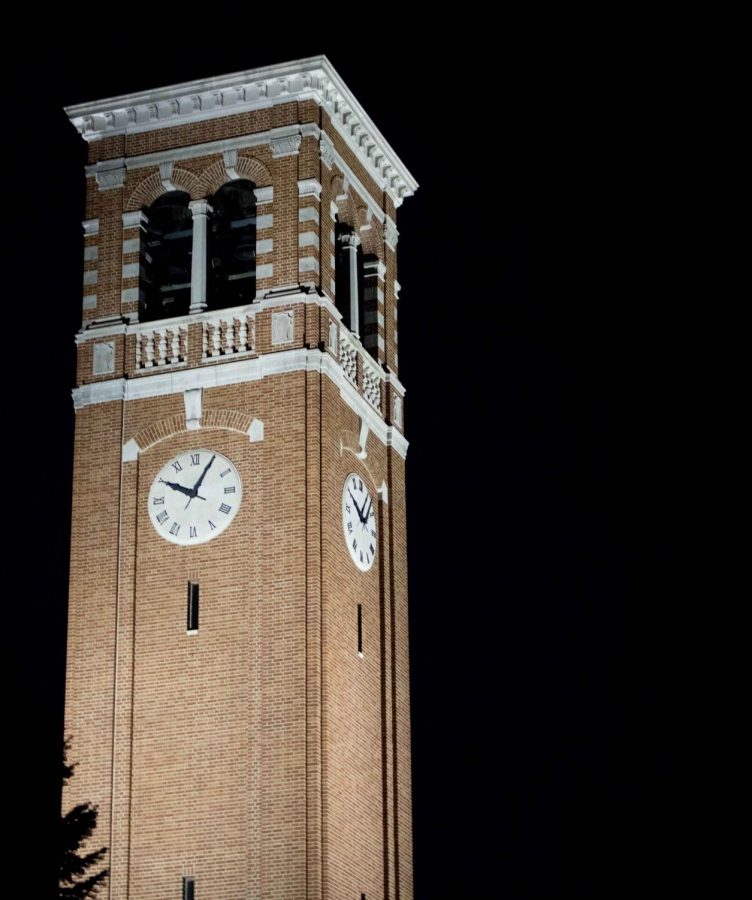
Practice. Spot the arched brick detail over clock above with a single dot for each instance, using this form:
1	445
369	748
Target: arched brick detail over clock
228	419
151	187
248	167
231	419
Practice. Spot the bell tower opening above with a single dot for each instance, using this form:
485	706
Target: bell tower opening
166	247
232	246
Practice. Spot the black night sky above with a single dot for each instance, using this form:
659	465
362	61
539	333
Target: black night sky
538	693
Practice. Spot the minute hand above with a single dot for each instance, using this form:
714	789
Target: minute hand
194	491
201	477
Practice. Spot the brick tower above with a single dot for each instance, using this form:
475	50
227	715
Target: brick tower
237	675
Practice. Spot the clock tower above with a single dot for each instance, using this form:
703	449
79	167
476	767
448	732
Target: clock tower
237	674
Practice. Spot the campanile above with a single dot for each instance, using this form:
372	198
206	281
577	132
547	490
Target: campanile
237	676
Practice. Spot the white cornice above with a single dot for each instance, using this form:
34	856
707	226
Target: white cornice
96	331
306	79
392	379
99	392
116	326
398	441
237	372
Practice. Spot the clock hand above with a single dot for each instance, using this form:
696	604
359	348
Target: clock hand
178	487
367	513
360	514
201	477
197	485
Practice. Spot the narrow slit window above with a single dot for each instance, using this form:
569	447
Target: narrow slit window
192	607
360	629
189	888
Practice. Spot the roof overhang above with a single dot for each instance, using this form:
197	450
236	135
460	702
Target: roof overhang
304	79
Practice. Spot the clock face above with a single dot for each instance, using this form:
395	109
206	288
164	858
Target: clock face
194	497
359	522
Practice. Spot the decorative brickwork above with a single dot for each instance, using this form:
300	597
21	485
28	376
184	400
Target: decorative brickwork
260	754
246	167
152	187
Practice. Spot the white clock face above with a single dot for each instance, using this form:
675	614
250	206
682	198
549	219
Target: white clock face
194	497
359	522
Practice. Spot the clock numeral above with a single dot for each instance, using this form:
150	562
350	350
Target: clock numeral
195	459
230	490
372	515
212	526
354	487
226	472
368	559
175	528
361	556
177	467
224	508
158	501
360	485
355	544
349	527
163	517
347	508
192	531
371	549
373	533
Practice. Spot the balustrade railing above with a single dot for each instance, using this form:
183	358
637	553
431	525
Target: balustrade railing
157	347
348	357
228	335
372	378
350	351
224	334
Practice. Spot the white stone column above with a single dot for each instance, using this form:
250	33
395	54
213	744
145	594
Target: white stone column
200	210
351	242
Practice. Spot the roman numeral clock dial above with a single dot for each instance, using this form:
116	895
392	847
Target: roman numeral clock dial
194	497
359	522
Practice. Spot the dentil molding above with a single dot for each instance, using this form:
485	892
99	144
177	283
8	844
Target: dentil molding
305	79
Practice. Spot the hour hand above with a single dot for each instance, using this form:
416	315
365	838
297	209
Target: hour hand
178	487
360	513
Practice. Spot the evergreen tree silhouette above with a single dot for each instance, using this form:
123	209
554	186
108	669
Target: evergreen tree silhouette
76	827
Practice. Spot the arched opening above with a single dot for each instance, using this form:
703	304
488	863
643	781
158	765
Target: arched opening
369	329
165	284
348	276
231	276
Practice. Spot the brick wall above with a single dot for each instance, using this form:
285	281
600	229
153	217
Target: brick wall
261	755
